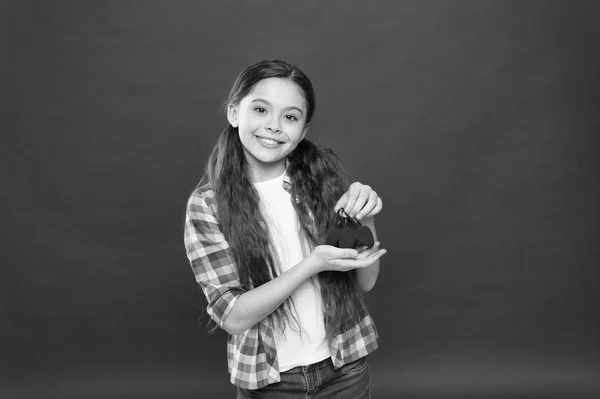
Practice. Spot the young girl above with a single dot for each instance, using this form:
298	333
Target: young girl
254	232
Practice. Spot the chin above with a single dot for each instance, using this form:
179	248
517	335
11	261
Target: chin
264	159
269	158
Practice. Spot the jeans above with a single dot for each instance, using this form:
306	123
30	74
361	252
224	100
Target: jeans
318	380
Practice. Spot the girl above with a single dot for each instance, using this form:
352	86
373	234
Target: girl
253	232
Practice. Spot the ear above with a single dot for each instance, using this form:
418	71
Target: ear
232	115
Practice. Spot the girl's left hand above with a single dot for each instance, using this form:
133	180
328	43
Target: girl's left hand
360	201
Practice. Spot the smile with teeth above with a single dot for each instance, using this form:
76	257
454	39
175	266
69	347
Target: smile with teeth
268	141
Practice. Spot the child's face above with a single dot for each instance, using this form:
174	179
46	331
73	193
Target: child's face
271	120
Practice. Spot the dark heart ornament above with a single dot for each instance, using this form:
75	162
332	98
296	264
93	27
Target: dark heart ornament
349	233
333	237
364	236
347	239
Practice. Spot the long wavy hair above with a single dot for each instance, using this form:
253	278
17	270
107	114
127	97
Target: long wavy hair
318	180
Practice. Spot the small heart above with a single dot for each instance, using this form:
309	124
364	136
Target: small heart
347	239
333	237
364	236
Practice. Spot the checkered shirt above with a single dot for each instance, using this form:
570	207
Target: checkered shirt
252	354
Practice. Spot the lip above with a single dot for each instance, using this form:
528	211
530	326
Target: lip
269	138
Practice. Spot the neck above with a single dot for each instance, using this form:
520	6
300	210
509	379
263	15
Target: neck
260	171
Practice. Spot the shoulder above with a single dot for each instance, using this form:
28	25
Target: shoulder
201	215
203	200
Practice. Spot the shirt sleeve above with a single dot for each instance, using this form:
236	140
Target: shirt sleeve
209	255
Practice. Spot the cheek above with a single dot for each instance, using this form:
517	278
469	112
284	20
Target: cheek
298	133
249	124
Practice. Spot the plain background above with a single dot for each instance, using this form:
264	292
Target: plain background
476	121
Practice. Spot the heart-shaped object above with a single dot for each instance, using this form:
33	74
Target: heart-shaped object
349	233
333	237
347	239
364	236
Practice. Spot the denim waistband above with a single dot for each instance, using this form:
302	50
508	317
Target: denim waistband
318	365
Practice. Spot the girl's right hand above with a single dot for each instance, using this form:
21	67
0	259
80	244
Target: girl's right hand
327	257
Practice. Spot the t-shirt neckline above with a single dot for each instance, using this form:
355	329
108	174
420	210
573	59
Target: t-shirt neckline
279	178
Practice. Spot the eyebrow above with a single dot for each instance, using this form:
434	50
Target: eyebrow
268	103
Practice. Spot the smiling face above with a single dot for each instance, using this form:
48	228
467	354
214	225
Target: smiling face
271	121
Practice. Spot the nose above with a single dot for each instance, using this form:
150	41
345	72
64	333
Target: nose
273	126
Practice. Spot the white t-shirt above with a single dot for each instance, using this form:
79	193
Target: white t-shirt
309	346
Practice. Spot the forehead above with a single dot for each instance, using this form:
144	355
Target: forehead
278	91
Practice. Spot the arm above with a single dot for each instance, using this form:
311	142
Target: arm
232	308
254	305
229	305
367	277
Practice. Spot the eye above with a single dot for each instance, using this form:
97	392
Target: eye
260	110
291	118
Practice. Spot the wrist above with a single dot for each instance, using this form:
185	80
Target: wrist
311	265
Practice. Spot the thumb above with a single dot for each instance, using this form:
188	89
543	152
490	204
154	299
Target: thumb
347	253
341	202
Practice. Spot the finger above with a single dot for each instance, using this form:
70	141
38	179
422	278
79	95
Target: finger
361	201
353	193
373	257
342	202
370	204
377	208
360	197
358	263
369	251
361	249
342	253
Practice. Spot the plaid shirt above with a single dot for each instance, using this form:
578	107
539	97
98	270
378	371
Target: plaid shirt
251	355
